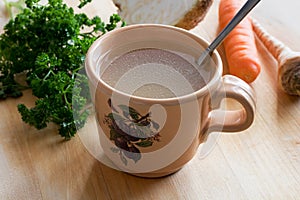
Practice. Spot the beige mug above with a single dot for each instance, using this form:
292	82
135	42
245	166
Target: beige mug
153	135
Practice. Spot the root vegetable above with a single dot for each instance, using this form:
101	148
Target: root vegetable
240	48
185	14
288	60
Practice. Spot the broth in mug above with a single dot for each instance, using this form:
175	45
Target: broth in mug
154	73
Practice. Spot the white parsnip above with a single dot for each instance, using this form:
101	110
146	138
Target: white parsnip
288	60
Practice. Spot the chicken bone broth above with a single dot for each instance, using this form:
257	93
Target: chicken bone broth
154	73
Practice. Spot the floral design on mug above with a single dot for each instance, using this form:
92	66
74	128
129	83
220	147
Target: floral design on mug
130	131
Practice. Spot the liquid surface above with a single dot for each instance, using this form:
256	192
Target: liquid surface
154	73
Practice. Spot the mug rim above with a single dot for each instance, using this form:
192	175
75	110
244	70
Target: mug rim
91	71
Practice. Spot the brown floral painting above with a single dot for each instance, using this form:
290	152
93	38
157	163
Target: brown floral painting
130	131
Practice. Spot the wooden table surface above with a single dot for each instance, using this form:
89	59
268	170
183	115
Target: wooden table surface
262	162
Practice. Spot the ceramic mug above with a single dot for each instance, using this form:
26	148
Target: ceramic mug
154	137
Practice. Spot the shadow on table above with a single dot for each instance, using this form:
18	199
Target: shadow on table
106	183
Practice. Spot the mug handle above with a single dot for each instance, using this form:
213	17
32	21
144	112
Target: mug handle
232	120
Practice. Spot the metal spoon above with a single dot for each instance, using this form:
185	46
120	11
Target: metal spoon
248	6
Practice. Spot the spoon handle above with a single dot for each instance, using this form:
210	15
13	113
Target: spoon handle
248	6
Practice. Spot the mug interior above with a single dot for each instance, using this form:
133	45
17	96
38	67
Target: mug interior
134	37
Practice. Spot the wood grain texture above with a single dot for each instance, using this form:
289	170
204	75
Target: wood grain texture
262	162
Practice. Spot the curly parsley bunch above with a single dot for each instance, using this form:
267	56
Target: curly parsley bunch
47	43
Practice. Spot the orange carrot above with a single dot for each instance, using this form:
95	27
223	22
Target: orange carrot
240	48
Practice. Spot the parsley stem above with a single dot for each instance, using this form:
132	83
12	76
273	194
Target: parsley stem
48	74
8	8
17	4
